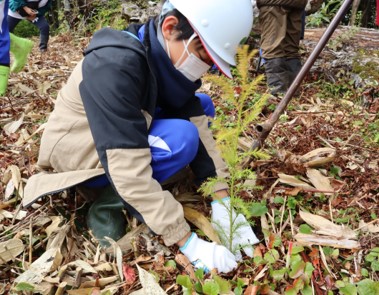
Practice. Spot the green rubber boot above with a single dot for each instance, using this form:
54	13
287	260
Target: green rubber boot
20	48
105	217
4	74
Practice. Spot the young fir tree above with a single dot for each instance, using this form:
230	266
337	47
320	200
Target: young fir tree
238	94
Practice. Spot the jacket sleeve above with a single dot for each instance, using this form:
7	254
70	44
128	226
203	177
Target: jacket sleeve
15	5
113	85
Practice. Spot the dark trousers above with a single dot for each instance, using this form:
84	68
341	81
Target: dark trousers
41	24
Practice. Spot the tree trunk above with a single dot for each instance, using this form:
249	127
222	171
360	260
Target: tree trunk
366	13
52	15
354	11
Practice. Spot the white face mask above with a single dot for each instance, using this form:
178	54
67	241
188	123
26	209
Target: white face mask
192	67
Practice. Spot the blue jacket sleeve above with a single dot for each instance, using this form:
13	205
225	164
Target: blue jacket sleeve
15	5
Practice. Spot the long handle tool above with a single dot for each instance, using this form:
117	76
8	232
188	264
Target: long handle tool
265	128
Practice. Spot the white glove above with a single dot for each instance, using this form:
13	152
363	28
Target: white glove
243	235
207	255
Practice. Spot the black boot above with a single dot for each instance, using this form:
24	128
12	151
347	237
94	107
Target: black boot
44	39
277	75
106	217
294	67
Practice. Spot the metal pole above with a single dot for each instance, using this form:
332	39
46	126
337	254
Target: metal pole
265	128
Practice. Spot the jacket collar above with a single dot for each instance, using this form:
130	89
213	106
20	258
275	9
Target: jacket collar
174	89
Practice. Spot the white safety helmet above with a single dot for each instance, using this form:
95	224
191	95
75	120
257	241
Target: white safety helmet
221	26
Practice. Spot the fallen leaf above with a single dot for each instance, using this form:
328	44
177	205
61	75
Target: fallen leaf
183	261
129	274
118	254
324	226
251	290
23	136
202	223
19	216
26	137
318	157
257	252
102	282
12	127
261	274
374	165
54	226
309	240
293	181
48	262
16	181
25	88
10	249
9	190
319	181
368	227
85	266
324	261
84	291
106	266
293	192
143	258
44	87
149	283
125	243
188	198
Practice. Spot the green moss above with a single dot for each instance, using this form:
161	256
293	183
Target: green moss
366	64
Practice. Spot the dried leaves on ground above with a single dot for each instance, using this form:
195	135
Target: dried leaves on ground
320	232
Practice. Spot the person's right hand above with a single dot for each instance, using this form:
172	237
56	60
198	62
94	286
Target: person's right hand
207	255
243	236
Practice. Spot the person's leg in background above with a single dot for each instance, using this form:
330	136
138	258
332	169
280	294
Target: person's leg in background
44	29
4	47
273	23
292	42
12	22
20	47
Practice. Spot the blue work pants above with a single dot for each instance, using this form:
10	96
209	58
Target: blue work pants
4	34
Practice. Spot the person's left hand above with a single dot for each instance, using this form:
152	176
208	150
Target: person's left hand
243	236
